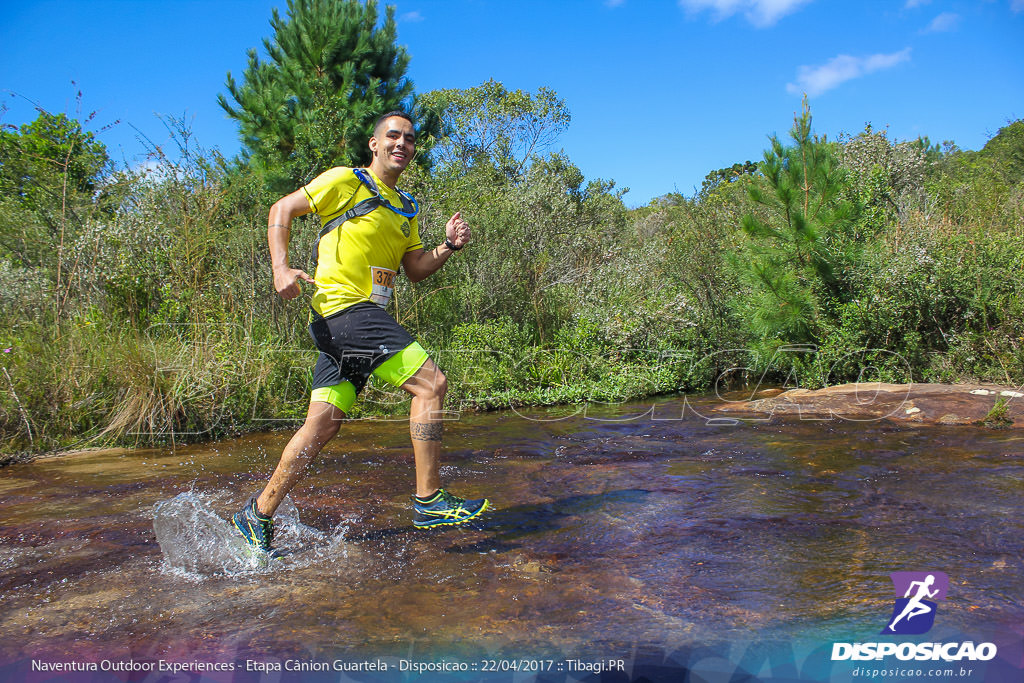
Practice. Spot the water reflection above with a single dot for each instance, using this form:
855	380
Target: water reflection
607	535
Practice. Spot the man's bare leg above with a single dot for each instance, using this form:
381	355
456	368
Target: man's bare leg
322	423
433	506
428	388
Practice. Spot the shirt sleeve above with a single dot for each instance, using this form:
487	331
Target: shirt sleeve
330	191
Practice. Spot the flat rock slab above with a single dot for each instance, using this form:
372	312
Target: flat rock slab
950	404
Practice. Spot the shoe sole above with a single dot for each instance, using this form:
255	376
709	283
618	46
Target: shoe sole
453	522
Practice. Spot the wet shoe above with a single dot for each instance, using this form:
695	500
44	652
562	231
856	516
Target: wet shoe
256	529
444	509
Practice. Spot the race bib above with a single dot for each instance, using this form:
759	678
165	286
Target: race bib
383	281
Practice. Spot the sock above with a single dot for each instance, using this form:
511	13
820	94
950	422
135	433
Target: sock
429	499
259	515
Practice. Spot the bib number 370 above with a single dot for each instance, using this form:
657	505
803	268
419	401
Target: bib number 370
383	281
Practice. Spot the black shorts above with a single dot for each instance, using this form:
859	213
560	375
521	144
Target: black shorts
353	342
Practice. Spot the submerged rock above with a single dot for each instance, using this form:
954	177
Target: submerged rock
947	404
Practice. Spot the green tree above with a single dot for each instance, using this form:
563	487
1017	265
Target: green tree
886	179
44	161
728	174
801	238
493	125
536	222
53	183
983	187
1006	151
933	153
332	70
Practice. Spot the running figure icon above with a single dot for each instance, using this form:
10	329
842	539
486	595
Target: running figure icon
916	607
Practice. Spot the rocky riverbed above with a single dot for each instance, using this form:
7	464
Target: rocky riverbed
945	404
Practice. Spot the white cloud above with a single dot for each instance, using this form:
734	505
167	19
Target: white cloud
814	80
947	21
411	17
614	3
760	13
1017	5
911	4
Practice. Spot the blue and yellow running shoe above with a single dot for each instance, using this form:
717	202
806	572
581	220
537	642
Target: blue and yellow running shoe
444	509
256	529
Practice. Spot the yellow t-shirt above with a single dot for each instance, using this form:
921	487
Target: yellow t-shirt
358	260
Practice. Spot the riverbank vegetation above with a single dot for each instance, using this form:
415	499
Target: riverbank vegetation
138	307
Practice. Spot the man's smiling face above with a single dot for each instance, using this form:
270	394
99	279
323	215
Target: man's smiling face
394	144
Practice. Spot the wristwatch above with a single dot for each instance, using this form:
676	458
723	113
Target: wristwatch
448	243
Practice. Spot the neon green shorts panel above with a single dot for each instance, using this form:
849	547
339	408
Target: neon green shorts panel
396	371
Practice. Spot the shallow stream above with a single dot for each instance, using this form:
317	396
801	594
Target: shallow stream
618	532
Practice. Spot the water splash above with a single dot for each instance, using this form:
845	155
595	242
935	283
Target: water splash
196	540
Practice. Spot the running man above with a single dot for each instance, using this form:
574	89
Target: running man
915	607
369	233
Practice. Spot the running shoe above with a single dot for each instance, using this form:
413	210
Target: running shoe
256	529
444	509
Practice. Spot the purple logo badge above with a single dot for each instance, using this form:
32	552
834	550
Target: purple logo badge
917	595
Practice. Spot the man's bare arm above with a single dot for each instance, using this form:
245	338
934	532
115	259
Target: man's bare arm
279	228
421	263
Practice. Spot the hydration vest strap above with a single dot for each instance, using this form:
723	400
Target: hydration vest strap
366	179
409	206
361	209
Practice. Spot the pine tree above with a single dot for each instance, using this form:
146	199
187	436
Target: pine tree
802	240
332	70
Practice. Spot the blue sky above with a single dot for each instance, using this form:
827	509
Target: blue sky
661	92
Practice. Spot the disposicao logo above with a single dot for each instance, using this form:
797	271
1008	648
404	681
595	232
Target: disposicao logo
917	597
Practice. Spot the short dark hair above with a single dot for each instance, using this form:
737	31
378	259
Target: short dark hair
390	114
